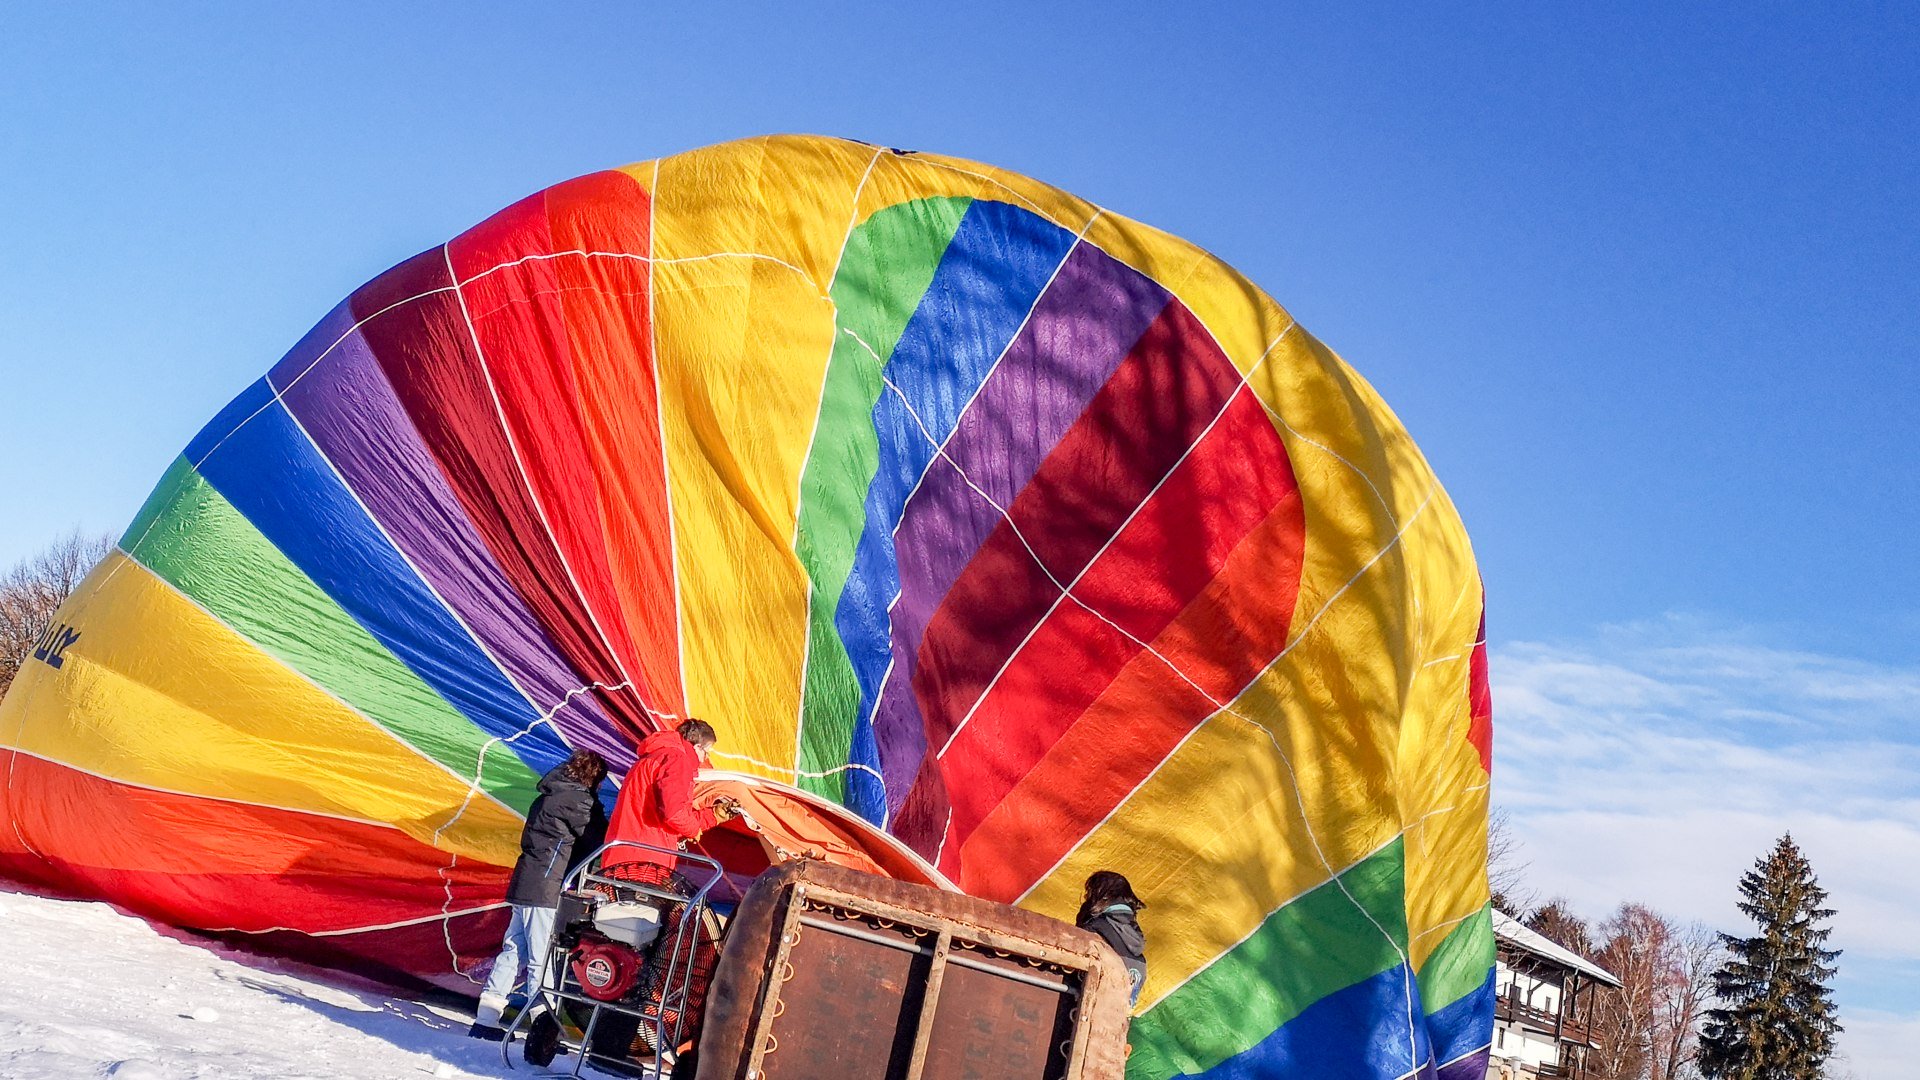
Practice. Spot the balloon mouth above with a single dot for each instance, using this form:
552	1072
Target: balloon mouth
782	823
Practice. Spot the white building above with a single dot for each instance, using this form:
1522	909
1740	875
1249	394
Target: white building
1542	1017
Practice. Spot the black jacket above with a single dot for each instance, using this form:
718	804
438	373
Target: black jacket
1120	930
565	812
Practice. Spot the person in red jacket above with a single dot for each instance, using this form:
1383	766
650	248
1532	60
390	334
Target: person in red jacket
656	802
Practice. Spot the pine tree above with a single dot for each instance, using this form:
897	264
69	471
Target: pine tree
1776	1018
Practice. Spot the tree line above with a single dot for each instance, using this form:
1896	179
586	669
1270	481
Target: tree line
1696	1003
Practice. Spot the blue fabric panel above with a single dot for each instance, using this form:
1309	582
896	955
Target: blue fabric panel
993	272
1461	1028
251	400
271	473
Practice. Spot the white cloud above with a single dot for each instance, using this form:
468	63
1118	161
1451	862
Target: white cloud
1656	762
1879	1044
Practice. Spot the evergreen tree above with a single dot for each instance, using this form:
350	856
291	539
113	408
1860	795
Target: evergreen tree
1776	1018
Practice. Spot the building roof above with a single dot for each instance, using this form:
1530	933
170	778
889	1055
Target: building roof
1518	934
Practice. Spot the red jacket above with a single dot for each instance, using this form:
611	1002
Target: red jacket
656	801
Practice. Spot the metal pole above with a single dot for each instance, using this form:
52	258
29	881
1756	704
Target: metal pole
929	1003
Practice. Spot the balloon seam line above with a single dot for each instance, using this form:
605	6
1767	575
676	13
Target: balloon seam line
1488	1045
370	928
940	448
1385	507
1012	340
1447	924
473	787
178	793
1066	591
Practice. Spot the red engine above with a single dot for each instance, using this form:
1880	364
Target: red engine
606	971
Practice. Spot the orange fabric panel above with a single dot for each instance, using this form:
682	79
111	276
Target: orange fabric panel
807	828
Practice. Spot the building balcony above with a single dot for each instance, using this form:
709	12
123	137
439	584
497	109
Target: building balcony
1569	1028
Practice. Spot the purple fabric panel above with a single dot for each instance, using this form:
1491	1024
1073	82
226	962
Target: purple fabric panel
1083	326
1471	1067
347	407
897	729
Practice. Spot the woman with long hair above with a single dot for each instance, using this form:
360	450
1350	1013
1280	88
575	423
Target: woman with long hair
567	810
1110	908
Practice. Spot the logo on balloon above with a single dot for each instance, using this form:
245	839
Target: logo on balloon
54	643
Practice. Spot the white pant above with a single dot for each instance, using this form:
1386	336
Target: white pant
523	952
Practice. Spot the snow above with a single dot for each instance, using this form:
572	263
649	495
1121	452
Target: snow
86	991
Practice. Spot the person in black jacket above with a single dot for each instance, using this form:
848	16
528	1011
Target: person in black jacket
566	812
1111	909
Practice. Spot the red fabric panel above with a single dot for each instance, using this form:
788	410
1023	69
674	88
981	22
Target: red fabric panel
426	350
407	958
1480	695
217	865
605	300
921	823
1208	573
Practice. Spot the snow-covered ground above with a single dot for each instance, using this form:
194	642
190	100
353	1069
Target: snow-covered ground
88	992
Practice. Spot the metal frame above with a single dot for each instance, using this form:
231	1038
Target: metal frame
557	986
939	936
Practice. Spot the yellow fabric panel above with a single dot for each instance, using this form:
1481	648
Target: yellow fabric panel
897	178
744	329
1223	809
1447	848
1428	604
158	693
1443	788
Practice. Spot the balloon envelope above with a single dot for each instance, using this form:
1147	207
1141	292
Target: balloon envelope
1041	541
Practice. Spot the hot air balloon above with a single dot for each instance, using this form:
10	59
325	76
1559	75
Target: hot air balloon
1001	537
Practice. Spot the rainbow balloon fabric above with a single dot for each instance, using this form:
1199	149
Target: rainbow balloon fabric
1036	537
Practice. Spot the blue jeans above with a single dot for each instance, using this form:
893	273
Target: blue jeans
523	952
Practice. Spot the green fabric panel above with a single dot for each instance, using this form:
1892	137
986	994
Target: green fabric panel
888	263
1321	943
195	540
1460	965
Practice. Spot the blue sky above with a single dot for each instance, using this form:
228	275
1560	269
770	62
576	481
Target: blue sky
1641	281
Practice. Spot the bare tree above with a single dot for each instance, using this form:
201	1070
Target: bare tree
1694	953
1649	1029
33	589
1635	942
1506	870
